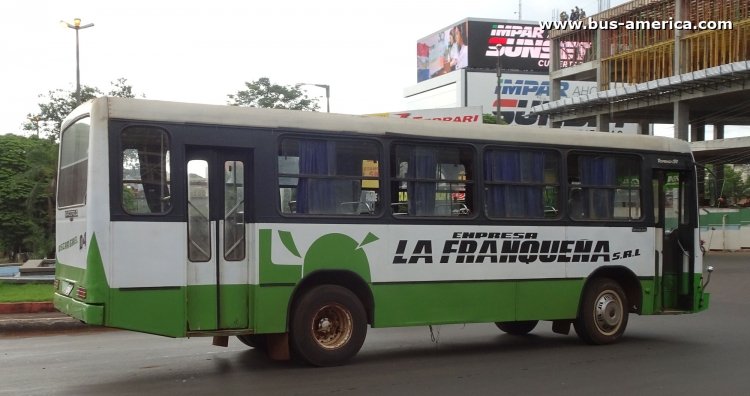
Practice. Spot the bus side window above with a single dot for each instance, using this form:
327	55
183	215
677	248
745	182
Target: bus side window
145	171
431	180
328	177
604	187
199	224
521	183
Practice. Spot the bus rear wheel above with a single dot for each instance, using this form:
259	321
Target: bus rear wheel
603	314
517	328
328	326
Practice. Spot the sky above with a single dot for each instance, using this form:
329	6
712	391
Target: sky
201	51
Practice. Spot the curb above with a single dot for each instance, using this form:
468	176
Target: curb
26	307
39	324
28	317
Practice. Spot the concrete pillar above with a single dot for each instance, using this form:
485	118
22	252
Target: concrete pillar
554	89
554	94
554	55
681	120
602	72
602	123
697	132
718	131
680	14
554	84
644	128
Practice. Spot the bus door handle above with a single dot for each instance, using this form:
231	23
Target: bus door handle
639	229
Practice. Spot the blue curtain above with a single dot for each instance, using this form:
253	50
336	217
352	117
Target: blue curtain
533	167
598	203
316	157
422	165
513	200
493	171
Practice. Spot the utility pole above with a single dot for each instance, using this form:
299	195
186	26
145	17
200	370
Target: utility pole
499	86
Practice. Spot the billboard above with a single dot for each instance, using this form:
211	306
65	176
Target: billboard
443	52
519	92
521	46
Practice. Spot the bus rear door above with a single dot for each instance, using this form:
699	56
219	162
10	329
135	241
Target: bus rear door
217	257
676	225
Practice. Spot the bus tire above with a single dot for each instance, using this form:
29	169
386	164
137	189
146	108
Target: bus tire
257	341
517	328
603	314
328	326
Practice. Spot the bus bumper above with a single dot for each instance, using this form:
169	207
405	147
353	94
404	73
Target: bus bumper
88	313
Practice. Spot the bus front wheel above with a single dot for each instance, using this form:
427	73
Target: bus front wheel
603	314
517	328
328	326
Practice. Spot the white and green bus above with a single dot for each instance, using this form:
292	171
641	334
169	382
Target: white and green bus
294	230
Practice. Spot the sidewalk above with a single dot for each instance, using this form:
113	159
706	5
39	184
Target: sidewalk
30	317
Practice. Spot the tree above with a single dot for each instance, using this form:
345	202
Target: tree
27	194
733	186
58	103
28	172
121	89
40	204
489	118
261	93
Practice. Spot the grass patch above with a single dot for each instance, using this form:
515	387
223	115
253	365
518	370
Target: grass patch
26	292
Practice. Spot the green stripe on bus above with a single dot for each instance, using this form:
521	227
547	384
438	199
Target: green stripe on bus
157	311
401	304
95	279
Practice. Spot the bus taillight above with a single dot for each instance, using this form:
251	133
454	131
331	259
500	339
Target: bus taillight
81	293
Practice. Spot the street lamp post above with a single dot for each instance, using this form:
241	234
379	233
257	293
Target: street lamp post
328	94
76	25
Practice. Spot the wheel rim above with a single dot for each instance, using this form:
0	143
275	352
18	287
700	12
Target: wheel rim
332	326
608	312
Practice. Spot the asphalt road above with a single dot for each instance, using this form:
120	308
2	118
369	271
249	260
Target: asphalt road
702	354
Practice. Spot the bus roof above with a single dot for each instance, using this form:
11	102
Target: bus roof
153	110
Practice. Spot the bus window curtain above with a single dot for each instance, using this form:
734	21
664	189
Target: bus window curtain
422	165
152	157
533	171
316	196
598	203
511	200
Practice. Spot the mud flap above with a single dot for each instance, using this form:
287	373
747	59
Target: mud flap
561	326
278	346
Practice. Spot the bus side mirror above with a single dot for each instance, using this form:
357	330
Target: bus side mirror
709	270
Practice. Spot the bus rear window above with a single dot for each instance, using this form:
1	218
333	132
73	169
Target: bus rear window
74	160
